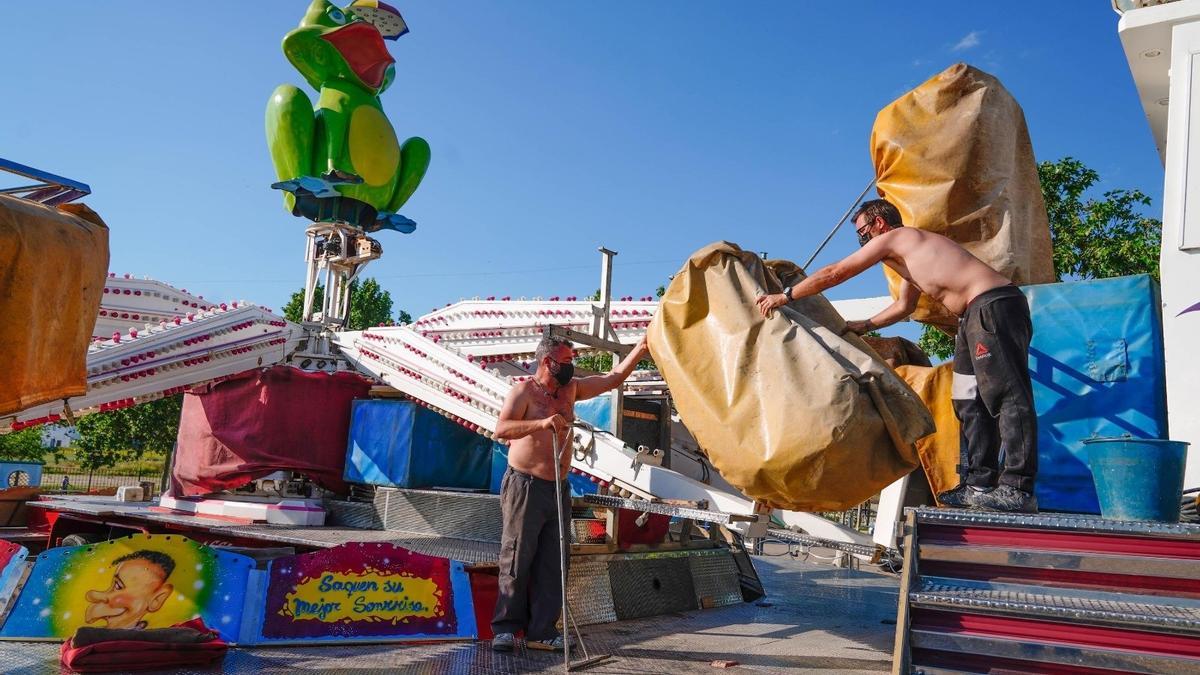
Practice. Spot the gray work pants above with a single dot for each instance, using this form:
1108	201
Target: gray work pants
993	393
530	593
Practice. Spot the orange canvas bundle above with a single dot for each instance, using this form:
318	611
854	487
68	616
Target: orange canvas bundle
939	452
53	263
793	410
954	156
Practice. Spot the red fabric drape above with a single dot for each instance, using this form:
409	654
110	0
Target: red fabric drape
262	421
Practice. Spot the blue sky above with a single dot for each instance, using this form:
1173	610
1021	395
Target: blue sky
650	128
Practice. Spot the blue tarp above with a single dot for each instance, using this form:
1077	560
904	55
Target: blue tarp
399	444
597	412
499	464
1096	360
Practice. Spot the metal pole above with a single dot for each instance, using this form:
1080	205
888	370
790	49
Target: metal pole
563	552
602	328
838	226
311	275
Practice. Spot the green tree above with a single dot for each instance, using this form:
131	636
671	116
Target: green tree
370	306
109	437
23	446
1092	237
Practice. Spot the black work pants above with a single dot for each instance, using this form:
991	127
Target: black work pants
530	593
992	392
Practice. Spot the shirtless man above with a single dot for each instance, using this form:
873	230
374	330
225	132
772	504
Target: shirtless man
992	392
530	593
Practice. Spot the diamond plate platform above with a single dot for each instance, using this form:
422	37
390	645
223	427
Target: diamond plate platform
466	550
352	514
715	578
456	514
589	592
651	586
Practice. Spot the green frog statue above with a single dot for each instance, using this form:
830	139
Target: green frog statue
340	160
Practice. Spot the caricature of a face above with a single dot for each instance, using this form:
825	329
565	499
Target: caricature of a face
139	586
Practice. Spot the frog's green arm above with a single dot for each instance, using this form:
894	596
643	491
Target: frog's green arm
414	161
290	134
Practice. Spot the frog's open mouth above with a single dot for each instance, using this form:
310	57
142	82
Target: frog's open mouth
363	47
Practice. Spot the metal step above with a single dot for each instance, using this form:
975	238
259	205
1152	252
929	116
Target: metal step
992	654
1176	615
1056	521
992	592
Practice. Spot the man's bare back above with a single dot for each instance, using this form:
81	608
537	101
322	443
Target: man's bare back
938	266
928	262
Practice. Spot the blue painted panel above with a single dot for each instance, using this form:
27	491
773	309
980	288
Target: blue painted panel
139	581
32	469
399	444
1096	361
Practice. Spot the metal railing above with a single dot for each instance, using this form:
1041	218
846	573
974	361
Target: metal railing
99	481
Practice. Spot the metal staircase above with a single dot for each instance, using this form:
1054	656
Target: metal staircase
1048	594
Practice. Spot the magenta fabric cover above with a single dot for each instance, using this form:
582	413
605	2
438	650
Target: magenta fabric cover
261	421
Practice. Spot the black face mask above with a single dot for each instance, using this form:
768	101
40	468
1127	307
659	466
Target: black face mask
564	373
865	236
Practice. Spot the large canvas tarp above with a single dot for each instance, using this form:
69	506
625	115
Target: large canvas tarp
939	451
793	410
262	421
53	264
954	156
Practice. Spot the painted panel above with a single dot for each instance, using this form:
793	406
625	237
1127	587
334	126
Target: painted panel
367	591
12	563
139	581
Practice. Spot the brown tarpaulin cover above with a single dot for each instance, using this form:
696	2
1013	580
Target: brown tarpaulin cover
53	264
896	351
776	403
954	156
262	421
939	452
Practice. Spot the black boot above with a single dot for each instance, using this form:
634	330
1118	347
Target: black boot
962	497
1008	499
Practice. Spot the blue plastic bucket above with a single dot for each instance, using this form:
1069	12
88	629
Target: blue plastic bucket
1137	478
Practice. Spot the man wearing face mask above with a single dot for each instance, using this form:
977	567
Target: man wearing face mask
530	593
992	392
